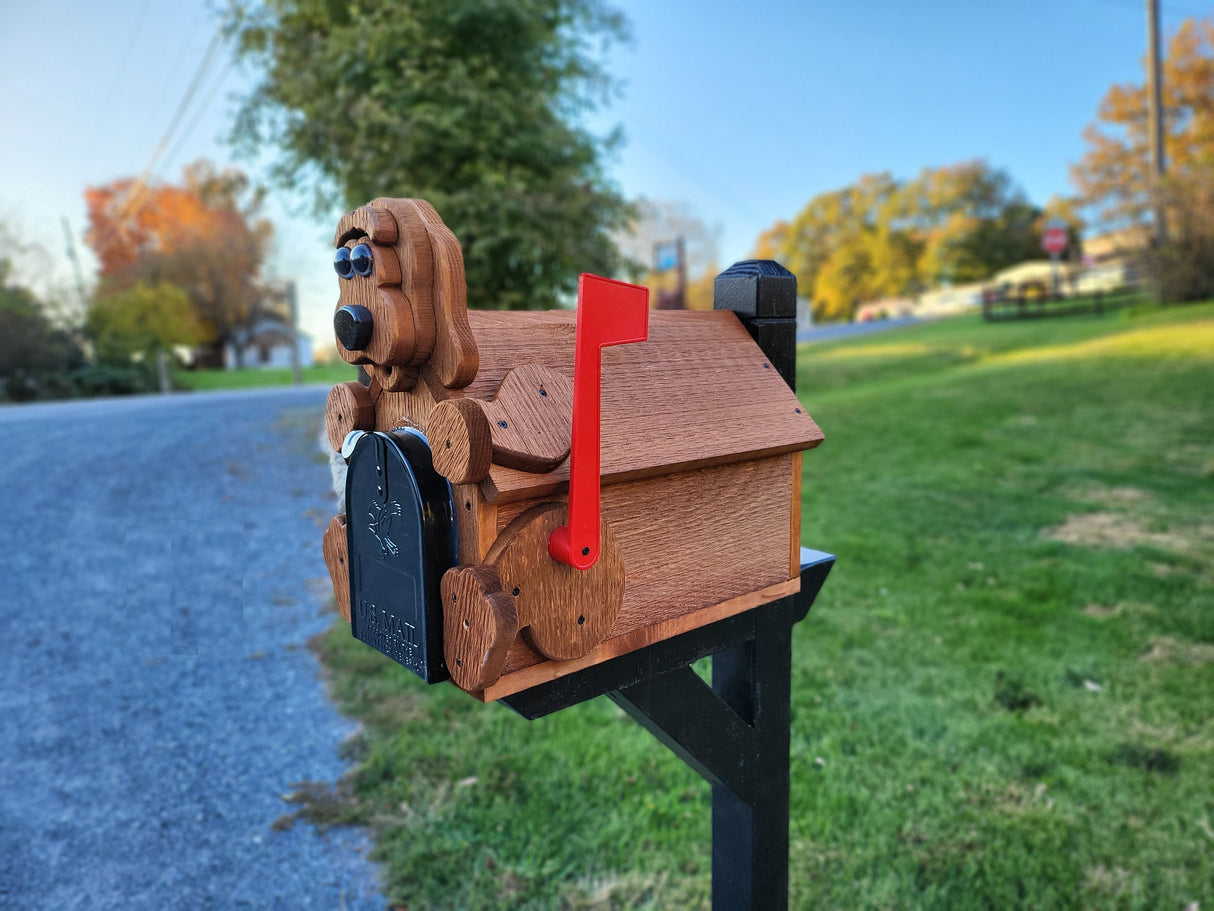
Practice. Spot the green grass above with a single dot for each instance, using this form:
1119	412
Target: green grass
1003	698
253	376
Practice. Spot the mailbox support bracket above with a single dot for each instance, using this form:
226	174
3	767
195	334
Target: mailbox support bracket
734	733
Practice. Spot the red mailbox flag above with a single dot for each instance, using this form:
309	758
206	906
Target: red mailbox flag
608	313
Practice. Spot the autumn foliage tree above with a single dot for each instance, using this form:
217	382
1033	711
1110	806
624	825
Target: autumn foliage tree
203	236
884	237
1114	176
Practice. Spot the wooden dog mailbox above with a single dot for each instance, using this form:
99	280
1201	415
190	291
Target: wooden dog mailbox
528	493
548	507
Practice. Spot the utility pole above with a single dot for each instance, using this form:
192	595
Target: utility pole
296	372
74	257
682	274
1155	111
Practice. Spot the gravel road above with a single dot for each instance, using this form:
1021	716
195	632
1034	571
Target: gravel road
160	572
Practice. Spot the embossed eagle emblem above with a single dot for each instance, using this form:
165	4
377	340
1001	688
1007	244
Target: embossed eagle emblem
382	515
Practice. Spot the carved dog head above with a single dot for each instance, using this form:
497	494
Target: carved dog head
402	302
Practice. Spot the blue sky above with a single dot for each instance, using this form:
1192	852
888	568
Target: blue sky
745	111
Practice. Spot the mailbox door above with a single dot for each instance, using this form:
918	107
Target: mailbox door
401	538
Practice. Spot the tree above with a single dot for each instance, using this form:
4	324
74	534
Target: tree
34	354
471	105
144	319
1114	176
204	237
882	237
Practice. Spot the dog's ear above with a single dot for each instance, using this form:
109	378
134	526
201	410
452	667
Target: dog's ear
444	338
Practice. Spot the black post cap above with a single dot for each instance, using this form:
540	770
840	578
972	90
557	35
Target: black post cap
353	325
757	288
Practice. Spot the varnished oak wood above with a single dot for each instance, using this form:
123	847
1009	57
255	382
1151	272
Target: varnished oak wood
476	523
406	408
563	612
349	407
794	551
334	548
416	252
460	440
383	293
454	357
531	419
691	540
391	378
536	674
376	224
698	393
479	623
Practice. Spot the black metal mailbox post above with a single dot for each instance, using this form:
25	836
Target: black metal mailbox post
734	733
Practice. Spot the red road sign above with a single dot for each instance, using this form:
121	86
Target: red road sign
1054	240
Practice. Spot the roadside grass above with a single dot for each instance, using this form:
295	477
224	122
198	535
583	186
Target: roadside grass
249	377
1003	698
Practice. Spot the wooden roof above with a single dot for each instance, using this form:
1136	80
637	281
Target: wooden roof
699	392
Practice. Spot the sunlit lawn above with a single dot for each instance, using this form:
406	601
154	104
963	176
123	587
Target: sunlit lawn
337	372
1003	698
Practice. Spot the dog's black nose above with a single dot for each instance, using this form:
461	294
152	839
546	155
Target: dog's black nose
353	324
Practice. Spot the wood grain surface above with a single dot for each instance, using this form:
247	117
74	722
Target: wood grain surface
349	407
479	623
365	221
690	541
454	357
563	612
418	276
515	681
476	523
383	292
334	547
460	440
531	419
698	393
794	537
401	409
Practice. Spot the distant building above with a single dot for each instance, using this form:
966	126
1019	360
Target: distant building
805	315
267	344
1113	260
888	308
950	300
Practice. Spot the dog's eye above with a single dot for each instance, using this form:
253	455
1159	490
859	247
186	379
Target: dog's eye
341	263
360	259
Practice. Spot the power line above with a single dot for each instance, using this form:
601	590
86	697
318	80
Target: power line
183	105
689	168
123	59
200	111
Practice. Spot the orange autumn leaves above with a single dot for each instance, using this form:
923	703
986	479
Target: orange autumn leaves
202	236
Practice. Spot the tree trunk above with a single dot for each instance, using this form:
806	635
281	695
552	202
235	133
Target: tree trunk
162	370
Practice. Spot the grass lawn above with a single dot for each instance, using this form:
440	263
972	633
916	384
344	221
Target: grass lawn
1003	698
338	372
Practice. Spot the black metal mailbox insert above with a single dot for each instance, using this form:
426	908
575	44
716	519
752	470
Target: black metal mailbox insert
401	538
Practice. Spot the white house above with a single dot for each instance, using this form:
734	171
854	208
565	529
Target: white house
267	344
